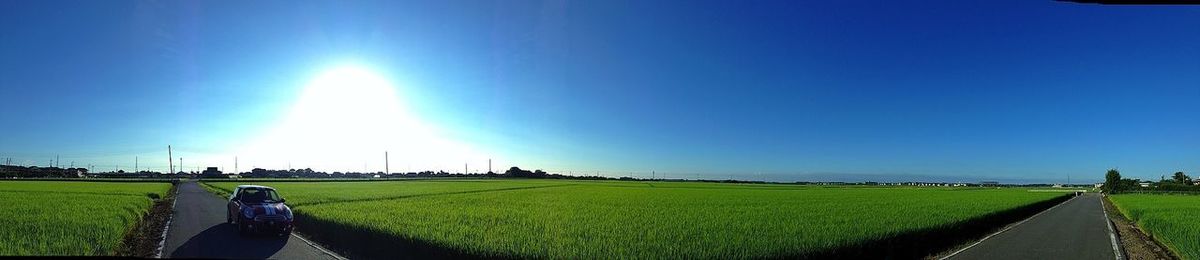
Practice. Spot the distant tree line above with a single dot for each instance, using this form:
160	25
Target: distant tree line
11	171
1179	181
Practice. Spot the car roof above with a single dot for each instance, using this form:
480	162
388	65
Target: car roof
254	186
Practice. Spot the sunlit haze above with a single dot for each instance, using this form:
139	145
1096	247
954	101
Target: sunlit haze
347	117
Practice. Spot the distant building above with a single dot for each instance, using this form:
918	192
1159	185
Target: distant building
989	183
211	171
1144	184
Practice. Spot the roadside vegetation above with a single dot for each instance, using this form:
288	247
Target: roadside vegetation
72	217
1165	210
622	219
1170	219
308	192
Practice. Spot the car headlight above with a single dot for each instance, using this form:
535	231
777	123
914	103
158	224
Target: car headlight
287	212
248	212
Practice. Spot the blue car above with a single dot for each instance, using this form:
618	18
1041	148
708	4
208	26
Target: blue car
259	209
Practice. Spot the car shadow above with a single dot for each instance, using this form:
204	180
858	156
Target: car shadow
223	241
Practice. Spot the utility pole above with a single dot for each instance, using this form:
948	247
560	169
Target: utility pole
385	163
57	162
464	168
170	160
489	165
180	163
135	164
235	166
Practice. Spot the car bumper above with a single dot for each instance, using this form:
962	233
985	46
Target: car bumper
264	225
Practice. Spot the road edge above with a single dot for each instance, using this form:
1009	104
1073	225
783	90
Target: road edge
142	239
1006	228
318	246
1130	235
1118	249
162	242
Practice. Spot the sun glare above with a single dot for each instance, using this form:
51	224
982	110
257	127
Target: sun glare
345	118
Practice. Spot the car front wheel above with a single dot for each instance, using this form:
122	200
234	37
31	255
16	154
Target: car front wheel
240	225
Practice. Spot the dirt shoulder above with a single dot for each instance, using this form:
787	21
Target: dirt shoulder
144	239
1135	242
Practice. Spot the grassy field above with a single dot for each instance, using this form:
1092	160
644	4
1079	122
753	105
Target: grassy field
1171	219
70	218
308	193
590	219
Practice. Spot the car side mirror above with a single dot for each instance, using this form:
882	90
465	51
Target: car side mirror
282	200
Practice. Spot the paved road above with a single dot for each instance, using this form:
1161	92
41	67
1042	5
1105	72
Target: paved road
1076	229
198	230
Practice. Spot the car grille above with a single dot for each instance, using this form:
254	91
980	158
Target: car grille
270	218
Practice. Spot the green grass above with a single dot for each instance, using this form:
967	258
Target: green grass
307	193
1171	219
617	219
70	218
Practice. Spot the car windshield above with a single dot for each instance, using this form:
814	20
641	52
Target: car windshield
258	195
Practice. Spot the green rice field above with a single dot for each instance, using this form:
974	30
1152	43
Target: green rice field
617	219
1171	219
72	217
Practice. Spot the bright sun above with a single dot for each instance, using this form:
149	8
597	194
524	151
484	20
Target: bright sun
345	119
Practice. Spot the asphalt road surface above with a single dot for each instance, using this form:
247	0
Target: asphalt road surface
198	230
1076	229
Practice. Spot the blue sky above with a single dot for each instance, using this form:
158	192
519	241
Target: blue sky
776	90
